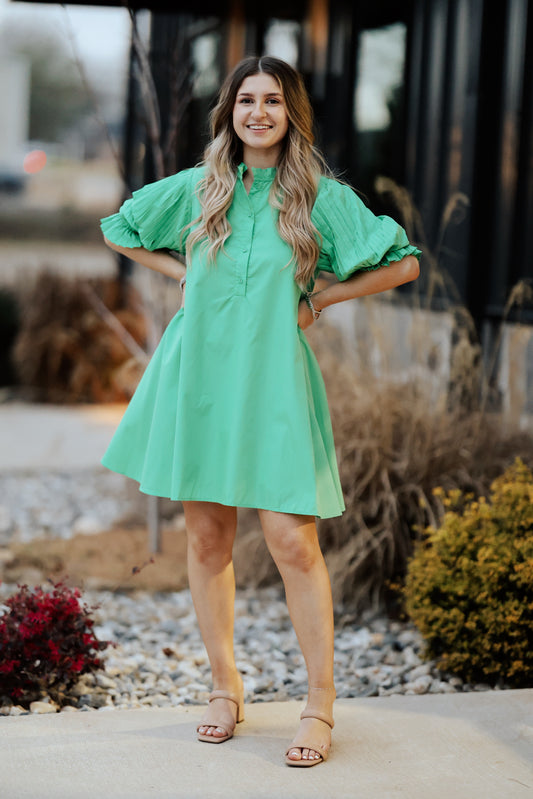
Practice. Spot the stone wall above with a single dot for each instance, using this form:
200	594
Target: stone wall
397	342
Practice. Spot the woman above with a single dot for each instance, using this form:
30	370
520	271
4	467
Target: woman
231	411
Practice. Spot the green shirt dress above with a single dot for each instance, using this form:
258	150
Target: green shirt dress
232	406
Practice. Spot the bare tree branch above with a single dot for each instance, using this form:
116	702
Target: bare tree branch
91	93
114	323
150	101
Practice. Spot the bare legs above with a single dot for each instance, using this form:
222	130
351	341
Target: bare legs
210	534
293	543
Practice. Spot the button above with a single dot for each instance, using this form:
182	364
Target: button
240	280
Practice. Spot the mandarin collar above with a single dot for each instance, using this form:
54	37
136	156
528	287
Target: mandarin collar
260	175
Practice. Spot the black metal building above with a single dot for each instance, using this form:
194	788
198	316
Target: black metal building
436	95
469	129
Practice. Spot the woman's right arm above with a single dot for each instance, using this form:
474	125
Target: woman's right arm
158	260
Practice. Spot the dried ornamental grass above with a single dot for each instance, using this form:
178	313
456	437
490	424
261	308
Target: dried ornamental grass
394	446
76	338
469	587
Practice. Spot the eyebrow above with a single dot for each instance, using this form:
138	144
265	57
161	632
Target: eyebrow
268	94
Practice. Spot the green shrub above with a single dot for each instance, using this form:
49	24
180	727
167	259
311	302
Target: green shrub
469	584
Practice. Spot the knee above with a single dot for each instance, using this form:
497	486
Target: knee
211	540
296	550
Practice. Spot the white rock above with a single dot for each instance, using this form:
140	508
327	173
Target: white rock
374	656
393	658
420	671
441	687
421	685
80	689
18	710
410	657
197	686
113	671
396	689
360	639
405	637
159	699
43	707
104	681
246	667
87	525
457	682
104	632
188	670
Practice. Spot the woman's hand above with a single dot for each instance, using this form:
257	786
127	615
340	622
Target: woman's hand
305	315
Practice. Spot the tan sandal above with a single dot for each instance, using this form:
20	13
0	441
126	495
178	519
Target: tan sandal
212	739
303	741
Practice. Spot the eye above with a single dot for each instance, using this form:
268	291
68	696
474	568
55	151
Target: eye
245	100
273	100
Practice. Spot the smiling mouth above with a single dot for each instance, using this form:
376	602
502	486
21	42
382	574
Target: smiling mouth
259	127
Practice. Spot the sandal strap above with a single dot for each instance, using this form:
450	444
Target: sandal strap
318	714
302	741
230	696
220	694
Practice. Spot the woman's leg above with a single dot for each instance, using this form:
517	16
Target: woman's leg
211	532
293	543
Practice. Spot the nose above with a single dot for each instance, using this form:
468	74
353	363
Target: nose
258	111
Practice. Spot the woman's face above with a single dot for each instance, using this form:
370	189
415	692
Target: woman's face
260	119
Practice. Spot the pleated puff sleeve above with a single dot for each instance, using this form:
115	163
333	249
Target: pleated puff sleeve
353	238
156	214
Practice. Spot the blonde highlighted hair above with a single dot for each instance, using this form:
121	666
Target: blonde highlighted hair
299	169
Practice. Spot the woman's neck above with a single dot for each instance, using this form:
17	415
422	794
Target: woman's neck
261	159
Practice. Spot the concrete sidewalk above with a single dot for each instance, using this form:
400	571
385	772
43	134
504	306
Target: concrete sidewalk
40	436
466	746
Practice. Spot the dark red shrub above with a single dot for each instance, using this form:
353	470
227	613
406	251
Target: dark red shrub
46	643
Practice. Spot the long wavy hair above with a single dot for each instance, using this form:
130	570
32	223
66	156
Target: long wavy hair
299	168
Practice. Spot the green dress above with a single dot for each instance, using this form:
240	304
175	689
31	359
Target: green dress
232	406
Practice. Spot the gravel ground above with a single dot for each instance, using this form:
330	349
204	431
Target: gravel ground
55	504
159	659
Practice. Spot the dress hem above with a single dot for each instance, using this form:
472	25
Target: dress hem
153	493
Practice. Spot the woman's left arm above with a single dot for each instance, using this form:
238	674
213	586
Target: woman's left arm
361	284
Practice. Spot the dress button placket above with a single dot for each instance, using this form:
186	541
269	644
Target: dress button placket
242	266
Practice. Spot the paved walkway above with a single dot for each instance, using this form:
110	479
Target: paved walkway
466	746
55	436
